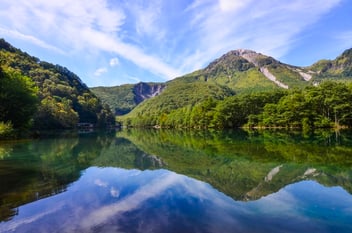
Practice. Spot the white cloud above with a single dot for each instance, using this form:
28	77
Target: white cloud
114	62
230	5
147	15
130	52
82	26
148	34
266	26
100	71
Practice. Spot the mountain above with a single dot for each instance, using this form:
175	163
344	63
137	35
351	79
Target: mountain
122	99
247	71
238	72
64	100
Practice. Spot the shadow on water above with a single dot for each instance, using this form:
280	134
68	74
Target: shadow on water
243	165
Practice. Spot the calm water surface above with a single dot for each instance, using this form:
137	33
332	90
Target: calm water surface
177	181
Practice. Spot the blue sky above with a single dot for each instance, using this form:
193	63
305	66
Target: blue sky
113	42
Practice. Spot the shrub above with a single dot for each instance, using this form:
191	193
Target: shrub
6	130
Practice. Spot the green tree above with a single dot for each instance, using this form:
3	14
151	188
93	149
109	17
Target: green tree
54	114
18	98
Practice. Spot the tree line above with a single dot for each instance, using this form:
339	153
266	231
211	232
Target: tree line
323	106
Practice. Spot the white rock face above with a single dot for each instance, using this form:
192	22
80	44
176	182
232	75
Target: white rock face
305	76
252	56
271	77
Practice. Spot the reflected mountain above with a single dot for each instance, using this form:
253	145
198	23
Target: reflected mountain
248	166
243	165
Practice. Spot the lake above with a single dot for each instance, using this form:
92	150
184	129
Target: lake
177	181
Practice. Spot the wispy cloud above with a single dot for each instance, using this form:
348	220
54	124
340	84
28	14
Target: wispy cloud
82	26
29	38
134	79
165	38
100	71
147	16
114	62
230	5
266	26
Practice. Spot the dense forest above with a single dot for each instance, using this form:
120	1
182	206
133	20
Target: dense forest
39	95
323	106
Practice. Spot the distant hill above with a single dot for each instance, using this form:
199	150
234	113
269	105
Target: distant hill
339	68
122	99
64	100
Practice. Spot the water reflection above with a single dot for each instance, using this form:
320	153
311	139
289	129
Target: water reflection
275	179
119	200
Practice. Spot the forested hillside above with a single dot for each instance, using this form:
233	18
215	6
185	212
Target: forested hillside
62	99
246	88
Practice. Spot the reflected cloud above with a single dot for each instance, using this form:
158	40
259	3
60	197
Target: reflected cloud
100	183
14	224
161	200
277	203
145	192
114	192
